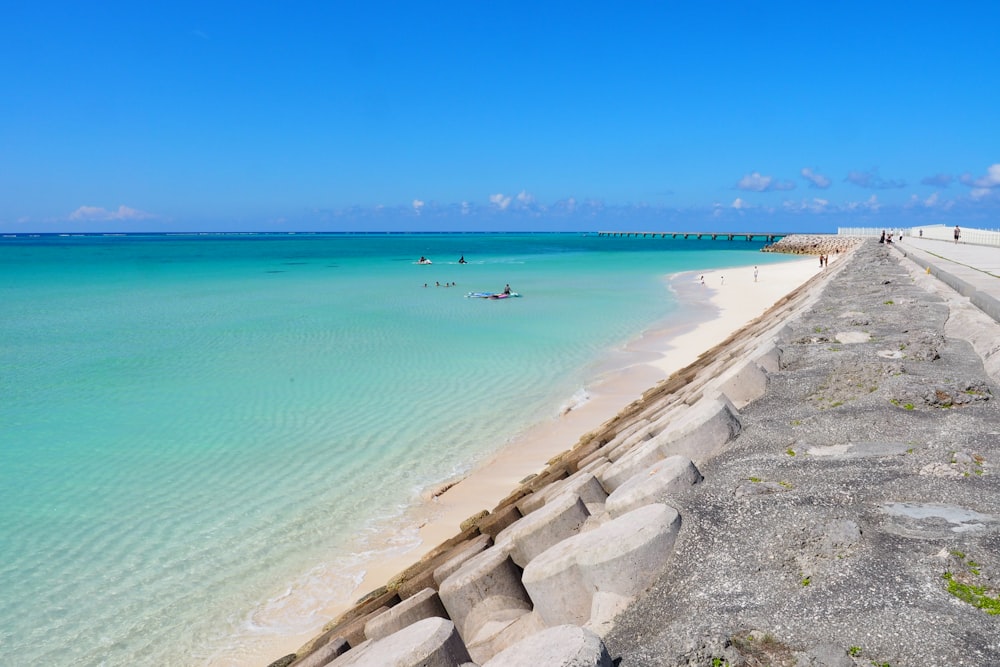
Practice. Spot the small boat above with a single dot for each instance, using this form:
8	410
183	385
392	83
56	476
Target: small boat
490	295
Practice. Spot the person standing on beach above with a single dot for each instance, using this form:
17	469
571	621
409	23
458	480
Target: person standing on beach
755	274
958	233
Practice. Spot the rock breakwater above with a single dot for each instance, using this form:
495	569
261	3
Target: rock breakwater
813	244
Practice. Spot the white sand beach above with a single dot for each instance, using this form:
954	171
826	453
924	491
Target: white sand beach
733	298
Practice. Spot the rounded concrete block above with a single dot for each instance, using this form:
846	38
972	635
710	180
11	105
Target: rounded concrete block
432	642
425	604
555	521
702	432
490	580
324	654
584	485
744	384
473	548
661	479
631	464
621	558
561	646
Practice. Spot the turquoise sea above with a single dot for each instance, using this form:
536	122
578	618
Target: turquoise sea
200	435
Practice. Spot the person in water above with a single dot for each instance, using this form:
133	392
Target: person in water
461	260
506	289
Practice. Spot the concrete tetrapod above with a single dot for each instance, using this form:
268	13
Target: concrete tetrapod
432	642
701	432
582	484
561	646
590	577
635	461
425	604
462	555
536	532
661	479
485	593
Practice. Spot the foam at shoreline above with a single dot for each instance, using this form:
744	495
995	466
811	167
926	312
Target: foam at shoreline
724	302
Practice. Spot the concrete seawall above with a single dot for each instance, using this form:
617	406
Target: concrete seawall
792	497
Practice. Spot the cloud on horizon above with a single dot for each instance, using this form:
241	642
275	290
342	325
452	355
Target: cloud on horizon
99	214
871	180
756	182
815	180
938	180
989	181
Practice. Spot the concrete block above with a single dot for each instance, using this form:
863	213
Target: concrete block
631	464
619	560
530	502
594	464
664	477
425	604
703	431
562	646
768	358
986	303
432	642
499	519
499	635
324	654
744	384
583	485
460	556
487	585
541	529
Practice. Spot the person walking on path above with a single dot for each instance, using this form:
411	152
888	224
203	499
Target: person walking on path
958	232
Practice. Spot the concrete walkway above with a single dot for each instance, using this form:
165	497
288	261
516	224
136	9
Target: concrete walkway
971	270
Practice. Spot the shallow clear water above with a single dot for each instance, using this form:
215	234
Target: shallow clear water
192	427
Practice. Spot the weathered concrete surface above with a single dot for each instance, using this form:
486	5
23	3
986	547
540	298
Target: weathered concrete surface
657	482
536	532
617	560
425	604
862	487
431	642
487	589
561	646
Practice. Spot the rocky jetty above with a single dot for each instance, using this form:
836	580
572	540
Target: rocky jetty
819	489
814	244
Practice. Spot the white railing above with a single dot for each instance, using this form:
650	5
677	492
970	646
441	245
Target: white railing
990	237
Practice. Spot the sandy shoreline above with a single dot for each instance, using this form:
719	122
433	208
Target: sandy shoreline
732	298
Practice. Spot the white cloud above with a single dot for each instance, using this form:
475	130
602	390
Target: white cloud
872	180
815	180
870	204
418	204
740	205
756	182
91	213
525	197
501	201
990	180
814	205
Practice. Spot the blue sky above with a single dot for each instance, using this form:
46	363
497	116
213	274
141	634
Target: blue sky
779	116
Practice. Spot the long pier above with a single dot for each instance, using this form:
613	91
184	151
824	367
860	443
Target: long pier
770	237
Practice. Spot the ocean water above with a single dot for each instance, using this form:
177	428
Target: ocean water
202	435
